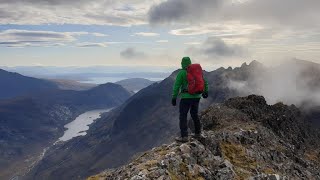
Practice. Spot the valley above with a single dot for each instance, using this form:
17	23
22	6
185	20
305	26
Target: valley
32	122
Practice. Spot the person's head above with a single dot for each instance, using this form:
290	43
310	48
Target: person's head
185	62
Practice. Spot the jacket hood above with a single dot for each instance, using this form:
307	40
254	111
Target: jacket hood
186	61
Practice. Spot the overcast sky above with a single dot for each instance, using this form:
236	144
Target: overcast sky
157	32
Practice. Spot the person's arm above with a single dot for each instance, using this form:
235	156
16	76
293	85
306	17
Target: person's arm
206	89
177	85
206	86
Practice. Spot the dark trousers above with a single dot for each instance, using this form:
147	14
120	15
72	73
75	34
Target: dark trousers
185	106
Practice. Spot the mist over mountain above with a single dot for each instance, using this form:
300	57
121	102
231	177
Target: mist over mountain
14	84
292	82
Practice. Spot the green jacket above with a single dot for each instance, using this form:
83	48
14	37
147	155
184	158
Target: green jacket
181	82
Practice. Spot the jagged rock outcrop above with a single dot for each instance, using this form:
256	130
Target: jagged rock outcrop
244	138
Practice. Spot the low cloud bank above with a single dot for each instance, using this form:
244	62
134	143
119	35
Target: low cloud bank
295	82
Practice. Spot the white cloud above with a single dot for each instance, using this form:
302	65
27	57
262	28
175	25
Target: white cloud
147	34
236	40
163	41
91	44
25	38
14	38
192	43
190	31
58	44
292	82
99	34
218	30
100	12
125	42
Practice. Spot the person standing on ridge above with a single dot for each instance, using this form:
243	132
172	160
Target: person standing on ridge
189	86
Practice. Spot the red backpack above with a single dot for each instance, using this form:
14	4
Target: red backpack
195	79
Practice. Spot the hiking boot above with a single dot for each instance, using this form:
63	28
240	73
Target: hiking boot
198	136
182	139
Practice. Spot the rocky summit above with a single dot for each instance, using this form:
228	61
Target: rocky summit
243	138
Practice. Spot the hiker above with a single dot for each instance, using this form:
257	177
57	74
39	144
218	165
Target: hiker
189	86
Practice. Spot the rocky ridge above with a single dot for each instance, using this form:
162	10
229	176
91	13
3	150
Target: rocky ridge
244	138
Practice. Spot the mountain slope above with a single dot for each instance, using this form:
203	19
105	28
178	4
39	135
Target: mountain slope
244	139
14	84
135	84
31	123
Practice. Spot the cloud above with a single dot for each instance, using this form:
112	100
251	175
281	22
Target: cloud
132	53
190	31
90	44
14	38
125	42
147	34
294	13
46	2
192	43
214	47
99	34
117	19
172	11
138	12
97	12
163	41
293	82
218	30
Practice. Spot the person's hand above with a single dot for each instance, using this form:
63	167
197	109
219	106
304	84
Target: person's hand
174	101
205	95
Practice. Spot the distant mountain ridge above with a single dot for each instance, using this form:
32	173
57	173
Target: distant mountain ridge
14	84
89	73
135	84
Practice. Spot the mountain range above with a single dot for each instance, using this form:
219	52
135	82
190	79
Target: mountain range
34	121
88	74
148	120
135	84
14	84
